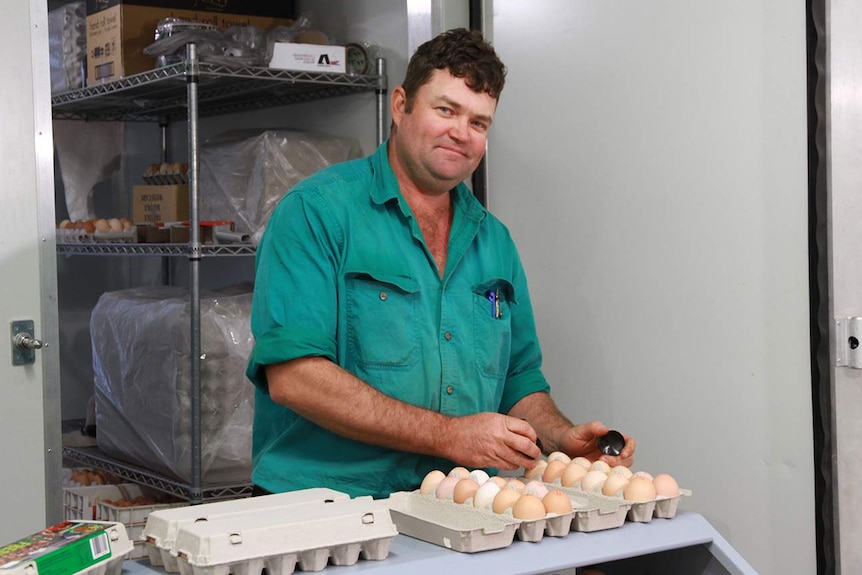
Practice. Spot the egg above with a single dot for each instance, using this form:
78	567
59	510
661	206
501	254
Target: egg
536	471
484	497
573	474
593	480
639	490
480	476
621	470
614	485
431	481
101	225
583	462
505	499
459	472
515	485
557	502
464	490
64	224
500	481
528	507
643	475
665	485
115	224
559	456
600	466
553	471
536	488
446	487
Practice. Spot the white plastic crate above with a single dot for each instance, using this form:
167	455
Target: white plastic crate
91	503
161	528
73	547
280	539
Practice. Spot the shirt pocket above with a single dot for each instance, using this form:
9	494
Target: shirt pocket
382	319
492	325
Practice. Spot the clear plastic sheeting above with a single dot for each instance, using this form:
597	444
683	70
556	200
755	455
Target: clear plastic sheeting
245	173
67	46
141	360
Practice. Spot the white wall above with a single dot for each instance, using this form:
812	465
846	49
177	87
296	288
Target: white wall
650	160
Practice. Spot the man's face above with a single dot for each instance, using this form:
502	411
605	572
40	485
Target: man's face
441	139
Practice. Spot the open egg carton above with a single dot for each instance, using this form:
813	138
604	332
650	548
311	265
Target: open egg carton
73	547
462	527
166	174
96	230
306	529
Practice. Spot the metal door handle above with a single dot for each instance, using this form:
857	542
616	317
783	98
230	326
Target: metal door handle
25	341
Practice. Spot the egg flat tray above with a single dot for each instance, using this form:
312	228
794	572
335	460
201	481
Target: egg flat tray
464	528
281	539
639	512
161	529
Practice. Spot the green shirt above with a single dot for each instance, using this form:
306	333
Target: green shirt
343	272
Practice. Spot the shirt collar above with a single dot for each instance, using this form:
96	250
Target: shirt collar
386	188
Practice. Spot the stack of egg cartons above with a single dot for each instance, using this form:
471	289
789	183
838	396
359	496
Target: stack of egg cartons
308	528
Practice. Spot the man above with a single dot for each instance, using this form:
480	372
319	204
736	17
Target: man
394	329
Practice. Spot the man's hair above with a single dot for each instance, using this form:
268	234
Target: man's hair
465	54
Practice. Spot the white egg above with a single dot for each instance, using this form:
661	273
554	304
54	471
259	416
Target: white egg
484	497
479	476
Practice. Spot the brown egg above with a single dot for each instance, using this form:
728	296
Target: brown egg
115	224
643	475
504	500
536	472
557	502
431	481
553	471
600	466
639	490
64	224
573	474
665	485
621	470
459	472
501	483
614	485
89	226
583	461
528	507
515	485
559	456
464	490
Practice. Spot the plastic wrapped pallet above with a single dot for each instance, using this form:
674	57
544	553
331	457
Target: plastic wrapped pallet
141	359
246	173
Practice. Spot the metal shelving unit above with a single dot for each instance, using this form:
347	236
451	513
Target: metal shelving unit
189	90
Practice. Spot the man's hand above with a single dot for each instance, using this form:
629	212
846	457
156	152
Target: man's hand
491	440
582	440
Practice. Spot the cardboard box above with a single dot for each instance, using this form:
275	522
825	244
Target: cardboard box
119	30
308	57
209	230
160	203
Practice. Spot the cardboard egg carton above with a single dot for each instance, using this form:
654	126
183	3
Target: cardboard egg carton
160	532
74	547
462	527
639	512
280	539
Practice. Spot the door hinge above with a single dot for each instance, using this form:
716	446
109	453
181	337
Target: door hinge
848	342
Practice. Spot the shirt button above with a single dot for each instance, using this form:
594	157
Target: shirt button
448	336
383	296
450	389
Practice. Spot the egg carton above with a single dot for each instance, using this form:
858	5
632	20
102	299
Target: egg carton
453	525
636	511
160	532
70	547
76	236
282	539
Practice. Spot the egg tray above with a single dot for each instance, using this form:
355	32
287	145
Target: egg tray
160	532
280	539
464	528
77	236
639	512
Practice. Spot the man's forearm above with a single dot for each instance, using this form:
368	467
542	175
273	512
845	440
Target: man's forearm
337	400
